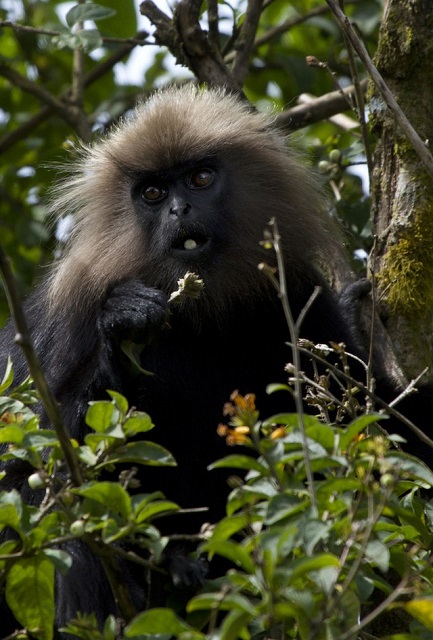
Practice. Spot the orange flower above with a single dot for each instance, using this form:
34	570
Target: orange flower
279	432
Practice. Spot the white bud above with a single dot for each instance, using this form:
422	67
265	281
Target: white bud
190	244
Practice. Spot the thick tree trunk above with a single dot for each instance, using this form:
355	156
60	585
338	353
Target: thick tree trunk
402	189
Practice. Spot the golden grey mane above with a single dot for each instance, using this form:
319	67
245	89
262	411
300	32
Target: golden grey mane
176	125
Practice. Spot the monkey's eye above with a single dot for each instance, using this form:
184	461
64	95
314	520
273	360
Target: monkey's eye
200	178
153	193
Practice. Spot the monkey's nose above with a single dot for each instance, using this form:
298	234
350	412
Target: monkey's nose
179	208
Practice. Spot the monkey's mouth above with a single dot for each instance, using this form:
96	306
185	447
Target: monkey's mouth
190	242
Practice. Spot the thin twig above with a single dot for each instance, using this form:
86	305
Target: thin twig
411	388
401	119
281	28
23	339
33	88
382	403
49	32
294	335
399	590
372	337
115	576
24	130
360	110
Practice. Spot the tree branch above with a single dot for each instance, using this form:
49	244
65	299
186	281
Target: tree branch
189	44
33	88
166	33
213	21
23	131
401	119
285	26
204	60
75	101
245	42
321	108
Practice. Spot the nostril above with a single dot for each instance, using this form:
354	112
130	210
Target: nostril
180	209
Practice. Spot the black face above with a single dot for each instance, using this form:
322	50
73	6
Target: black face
180	208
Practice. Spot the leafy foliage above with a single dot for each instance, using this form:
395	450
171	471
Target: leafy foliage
37	137
306	560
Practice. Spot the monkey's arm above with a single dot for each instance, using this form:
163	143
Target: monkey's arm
80	352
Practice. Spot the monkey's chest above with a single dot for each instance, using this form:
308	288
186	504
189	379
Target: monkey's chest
193	377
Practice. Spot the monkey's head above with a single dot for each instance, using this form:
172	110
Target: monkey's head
188	183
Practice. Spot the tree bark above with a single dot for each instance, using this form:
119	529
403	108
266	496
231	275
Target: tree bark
402	189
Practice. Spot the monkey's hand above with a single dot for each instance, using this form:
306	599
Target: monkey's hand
350	303
133	312
187	573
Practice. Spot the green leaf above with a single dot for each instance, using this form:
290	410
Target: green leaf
30	594
227	527
232	551
111	494
323	434
139	422
86	455
132	351
12	406
287	419
305	565
421	609
313	531
11	509
156	622
236	461
88	11
101	416
61	560
8	377
292	420
12	433
333	485
124	23
378	553
110	626
90	39
351	606
40	439
119	400
358	425
411	465
283	505
234	626
209	601
272	388
325	579
145	452
155	509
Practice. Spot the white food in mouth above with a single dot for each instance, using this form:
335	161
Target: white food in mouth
190	244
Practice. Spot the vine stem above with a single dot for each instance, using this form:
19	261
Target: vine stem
22	338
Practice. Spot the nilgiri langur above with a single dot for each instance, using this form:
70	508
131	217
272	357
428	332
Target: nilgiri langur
187	183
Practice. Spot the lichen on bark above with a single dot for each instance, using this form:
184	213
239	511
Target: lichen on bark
402	190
